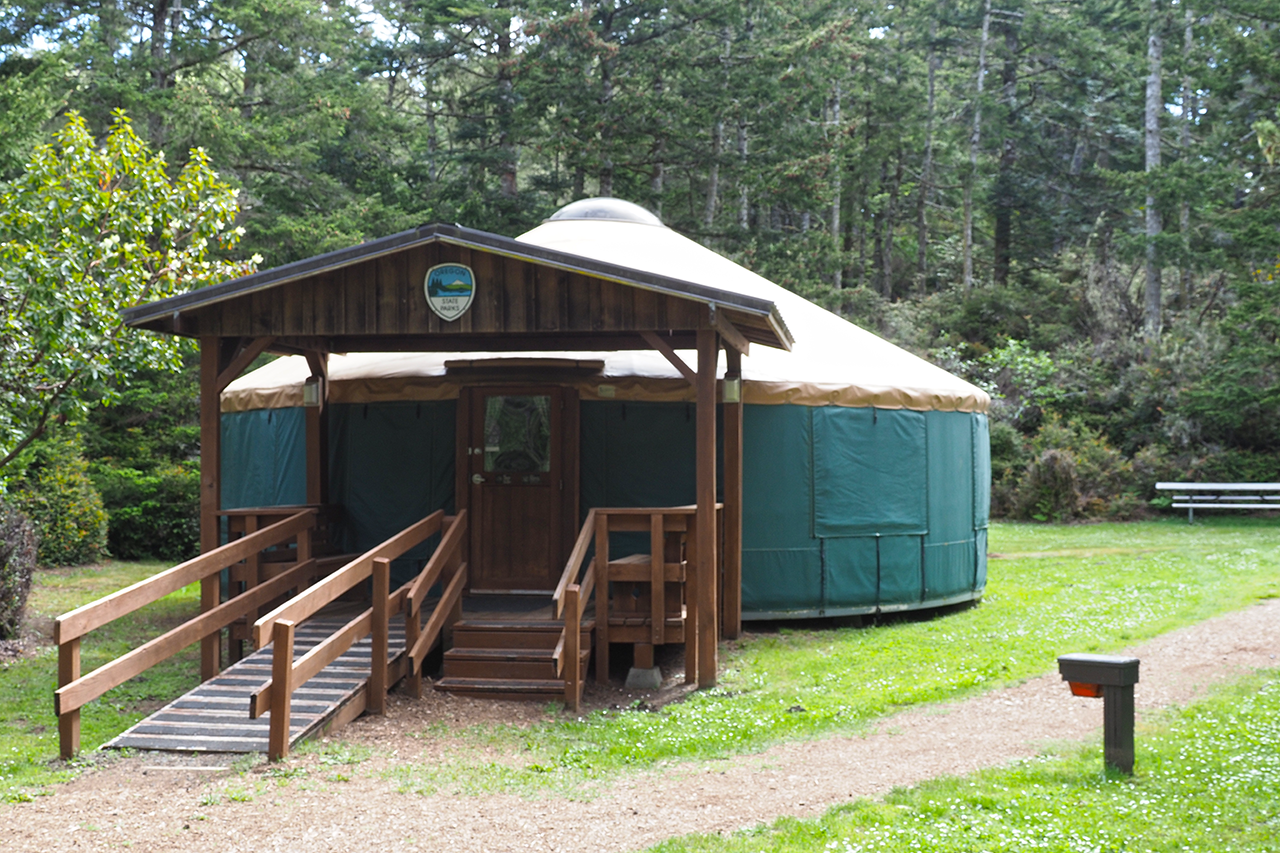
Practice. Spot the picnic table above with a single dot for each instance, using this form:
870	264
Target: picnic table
1194	496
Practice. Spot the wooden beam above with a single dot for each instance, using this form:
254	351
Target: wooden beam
677	362
735	341
210	489
69	722
705	444
82	620
377	700
305	604
251	350
281	689
74	695
317	432
318	361
732	603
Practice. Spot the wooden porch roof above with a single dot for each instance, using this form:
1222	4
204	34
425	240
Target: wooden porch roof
370	298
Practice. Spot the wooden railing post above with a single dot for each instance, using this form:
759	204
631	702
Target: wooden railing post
572	649
657	581
376	702
602	597
281	688
412	631
69	722
691	580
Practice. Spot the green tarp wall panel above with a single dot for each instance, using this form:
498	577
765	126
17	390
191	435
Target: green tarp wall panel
868	467
851	573
901	576
636	454
391	464
264	459
981	471
782	566
893	517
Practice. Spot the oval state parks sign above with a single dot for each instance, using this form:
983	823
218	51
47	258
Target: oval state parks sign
450	289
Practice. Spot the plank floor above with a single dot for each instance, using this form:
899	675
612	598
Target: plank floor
214	717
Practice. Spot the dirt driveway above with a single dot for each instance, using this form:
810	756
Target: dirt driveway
149	803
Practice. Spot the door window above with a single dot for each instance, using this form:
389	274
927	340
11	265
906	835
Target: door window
517	434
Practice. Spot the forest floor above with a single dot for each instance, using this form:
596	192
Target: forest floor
354	791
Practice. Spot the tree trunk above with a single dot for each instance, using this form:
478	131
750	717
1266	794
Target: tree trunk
713	175
507	156
975	140
606	131
1005	189
1151	133
837	170
889	221
926	170
744	202
1189	109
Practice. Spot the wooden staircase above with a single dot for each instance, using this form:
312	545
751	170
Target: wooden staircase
509	659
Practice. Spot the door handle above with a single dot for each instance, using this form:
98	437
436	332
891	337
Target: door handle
477	478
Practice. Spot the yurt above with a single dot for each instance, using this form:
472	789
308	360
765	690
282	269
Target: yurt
865	470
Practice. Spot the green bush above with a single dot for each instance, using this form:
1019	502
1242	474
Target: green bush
153	514
1049	490
66	508
18	543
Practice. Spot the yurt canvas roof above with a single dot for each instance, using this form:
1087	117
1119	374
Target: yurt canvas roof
832	362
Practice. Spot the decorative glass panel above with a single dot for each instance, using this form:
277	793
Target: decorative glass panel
517	434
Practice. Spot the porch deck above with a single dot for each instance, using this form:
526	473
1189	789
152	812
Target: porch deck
214	716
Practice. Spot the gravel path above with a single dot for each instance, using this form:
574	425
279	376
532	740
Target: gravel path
154	806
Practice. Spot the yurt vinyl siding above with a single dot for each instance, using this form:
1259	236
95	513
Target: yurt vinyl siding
391	464
264	458
868	467
845	510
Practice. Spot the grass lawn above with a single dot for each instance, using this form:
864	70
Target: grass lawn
28	727
1056	589
1206	779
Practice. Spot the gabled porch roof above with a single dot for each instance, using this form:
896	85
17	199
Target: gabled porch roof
369	297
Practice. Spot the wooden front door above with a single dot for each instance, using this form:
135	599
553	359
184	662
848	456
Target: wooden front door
520	489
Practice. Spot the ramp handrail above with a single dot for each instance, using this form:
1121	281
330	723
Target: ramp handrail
74	689
288	674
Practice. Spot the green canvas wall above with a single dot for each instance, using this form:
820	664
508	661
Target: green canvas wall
264	458
845	510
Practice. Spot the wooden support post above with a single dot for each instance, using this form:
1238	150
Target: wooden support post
281	689
572	667
708	624
1117	727
733	496
643	656
691	605
317	441
412	631
376	700
602	597
657	585
210	491
68	723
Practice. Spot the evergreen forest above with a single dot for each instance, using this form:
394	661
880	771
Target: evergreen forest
1072	203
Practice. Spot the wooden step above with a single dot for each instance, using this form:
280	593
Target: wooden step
525	689
520	664
489	634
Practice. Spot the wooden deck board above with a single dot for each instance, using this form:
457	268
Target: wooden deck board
214	717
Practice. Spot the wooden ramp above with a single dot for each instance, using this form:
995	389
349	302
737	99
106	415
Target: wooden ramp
214	717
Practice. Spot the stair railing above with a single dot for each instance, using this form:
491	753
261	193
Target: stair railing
572	595
75	690
288	674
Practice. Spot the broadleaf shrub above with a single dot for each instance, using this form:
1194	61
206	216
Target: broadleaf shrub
18	543
64	505
152	514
